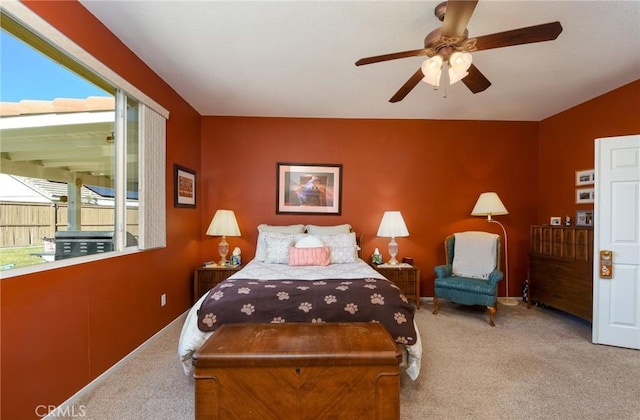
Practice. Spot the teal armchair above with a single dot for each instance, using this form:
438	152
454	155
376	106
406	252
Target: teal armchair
468	290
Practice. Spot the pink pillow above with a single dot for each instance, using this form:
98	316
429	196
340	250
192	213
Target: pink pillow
309	256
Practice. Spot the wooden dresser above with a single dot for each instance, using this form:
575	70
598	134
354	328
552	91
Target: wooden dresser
561	268
298	371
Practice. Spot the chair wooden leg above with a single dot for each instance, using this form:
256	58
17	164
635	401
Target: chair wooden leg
492	311
435	305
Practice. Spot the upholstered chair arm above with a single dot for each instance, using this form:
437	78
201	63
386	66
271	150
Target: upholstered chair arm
443	271
495	277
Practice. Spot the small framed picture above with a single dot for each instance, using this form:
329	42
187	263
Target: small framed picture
555	221
584	218
184	187
585	177
585	195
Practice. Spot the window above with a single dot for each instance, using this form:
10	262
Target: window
82	171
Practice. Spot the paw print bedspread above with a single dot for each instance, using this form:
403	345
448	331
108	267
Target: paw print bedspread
327	300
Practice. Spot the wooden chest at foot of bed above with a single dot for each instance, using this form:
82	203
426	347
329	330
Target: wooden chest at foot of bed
298	371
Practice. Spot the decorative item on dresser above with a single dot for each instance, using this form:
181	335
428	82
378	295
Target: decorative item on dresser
205	278
298	371
405	276
561	269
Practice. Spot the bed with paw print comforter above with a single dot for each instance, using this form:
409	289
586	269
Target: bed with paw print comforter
363	295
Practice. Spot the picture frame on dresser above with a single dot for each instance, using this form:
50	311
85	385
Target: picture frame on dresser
584	218
304	188
184	187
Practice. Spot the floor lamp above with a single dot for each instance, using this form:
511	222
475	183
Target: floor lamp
489	204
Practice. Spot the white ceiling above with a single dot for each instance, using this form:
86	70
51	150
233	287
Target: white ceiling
296	58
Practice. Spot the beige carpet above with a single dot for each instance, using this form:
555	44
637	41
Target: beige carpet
535	364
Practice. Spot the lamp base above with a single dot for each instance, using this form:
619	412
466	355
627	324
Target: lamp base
393	251
223	250
392	261
508	301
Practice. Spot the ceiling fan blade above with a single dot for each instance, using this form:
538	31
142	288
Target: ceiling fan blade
531	34
475	81
457	16
394	56
408	86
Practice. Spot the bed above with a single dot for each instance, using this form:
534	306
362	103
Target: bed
304	274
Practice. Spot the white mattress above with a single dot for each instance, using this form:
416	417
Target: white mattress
191	337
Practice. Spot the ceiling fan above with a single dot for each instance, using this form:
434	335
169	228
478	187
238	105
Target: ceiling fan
448	48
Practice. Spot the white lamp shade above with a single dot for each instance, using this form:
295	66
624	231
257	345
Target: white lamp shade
224	224
460	61
432	69
489	204
456	77
459	64
392	225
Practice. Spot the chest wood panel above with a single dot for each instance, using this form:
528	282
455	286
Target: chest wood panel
298	371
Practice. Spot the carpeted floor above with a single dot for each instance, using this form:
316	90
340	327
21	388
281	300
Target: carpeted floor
535	364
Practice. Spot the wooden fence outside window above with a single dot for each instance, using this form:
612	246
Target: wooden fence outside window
27	224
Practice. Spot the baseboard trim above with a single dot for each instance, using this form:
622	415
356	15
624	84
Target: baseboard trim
68	406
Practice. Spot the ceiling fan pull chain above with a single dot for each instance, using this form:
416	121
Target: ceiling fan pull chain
445	78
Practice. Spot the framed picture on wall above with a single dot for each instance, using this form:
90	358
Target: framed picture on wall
308	188
585	195
584	218
586	177
184	187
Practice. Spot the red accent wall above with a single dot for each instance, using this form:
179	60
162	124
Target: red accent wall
64	327
432	171
567	145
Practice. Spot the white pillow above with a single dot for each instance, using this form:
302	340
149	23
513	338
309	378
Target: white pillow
281	229
344	248
277	251
265	237
328	230
309	241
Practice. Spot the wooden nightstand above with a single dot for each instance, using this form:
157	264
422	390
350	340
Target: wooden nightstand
205	278
406	278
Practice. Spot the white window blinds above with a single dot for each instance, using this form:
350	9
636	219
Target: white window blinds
152	186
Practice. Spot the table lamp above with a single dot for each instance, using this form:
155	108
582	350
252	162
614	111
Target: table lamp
223	224
392	226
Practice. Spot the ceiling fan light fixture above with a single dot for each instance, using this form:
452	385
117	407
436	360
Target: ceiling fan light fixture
459	63
455	77
432	69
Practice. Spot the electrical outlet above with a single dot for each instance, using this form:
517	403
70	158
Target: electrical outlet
163	299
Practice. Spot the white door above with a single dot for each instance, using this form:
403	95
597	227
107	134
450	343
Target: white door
616	301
